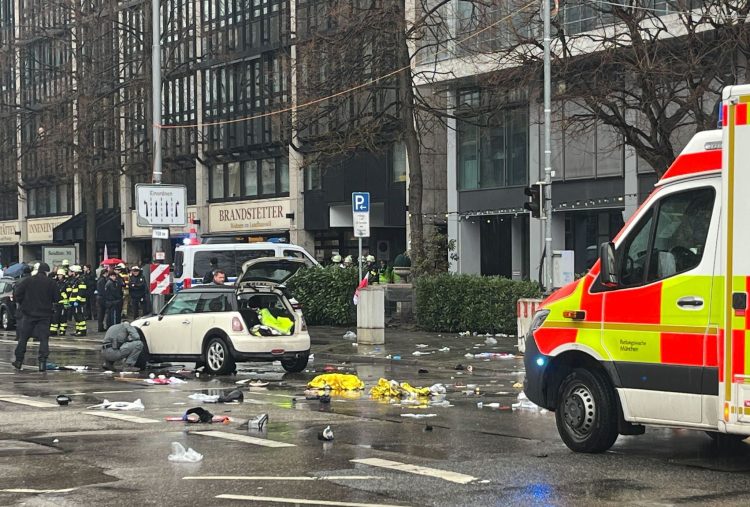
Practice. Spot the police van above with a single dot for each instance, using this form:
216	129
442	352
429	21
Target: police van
192	262
657	332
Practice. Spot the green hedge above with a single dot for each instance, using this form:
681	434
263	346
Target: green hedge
455	303
326	295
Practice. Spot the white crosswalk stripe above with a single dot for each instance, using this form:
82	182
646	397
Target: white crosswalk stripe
123	417
302	501
29	402
415	469
243	438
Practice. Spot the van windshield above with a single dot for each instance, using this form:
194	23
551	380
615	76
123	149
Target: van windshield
230	261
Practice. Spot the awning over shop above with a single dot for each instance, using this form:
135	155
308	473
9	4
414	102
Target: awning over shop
74	230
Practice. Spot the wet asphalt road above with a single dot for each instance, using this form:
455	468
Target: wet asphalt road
52	455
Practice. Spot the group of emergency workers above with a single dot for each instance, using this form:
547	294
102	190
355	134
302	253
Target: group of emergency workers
115	294
376	272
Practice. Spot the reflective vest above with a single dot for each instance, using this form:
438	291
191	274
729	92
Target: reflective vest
77	290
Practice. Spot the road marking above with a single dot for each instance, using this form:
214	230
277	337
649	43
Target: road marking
123	417
23	490
302	501
293	478
271	394
414	469
18	400
243	438
111	392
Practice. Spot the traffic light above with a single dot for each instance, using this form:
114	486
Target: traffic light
536	200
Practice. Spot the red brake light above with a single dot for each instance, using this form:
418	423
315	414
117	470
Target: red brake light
237	324
187	283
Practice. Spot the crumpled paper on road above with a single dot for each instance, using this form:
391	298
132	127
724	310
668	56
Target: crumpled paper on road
337	382
119	405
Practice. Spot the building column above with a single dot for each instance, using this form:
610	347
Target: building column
470	257
451	152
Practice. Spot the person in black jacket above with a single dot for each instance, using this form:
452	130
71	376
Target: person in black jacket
35	297
214	265
101	310
113	299
89	278
139	292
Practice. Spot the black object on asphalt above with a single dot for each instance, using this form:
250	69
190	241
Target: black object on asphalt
63	400
428	428
422	370
459	367
325	398
326	434
204	415
235	395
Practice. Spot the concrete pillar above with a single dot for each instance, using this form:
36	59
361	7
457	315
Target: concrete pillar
371	315
452	178
469	251
516	244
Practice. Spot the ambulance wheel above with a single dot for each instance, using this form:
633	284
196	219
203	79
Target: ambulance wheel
219	360
586	413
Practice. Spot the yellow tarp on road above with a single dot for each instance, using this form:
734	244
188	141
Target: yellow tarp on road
337	382
392	389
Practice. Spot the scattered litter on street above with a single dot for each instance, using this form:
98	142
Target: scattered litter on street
199	415
518	385
418	416
74	368
525	404
488	405
204	398
326	434
421	345
437	389
56	441
492	355
180	455
257	422
337	382
423	371
63	400
444	349
464	333
459	367
119	405
393	389
419	353
490	341
252	383
470	369
163	380
350	335
469	355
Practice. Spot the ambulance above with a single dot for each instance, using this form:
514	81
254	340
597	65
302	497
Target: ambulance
656	334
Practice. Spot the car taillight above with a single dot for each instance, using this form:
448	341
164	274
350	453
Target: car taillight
237	324
187	283
303	325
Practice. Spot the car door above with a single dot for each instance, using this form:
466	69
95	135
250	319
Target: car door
656	322
170	332
212	312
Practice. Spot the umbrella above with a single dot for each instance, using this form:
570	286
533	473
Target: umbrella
112	261
14	271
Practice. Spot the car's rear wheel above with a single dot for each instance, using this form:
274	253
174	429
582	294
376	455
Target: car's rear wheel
297	364
218	357
4	319
586	414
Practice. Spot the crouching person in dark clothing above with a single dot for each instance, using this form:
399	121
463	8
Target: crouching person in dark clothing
122	342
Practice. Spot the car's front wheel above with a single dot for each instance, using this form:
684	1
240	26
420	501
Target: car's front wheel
297	364
218	357
586	413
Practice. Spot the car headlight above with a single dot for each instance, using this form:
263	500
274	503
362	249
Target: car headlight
539	318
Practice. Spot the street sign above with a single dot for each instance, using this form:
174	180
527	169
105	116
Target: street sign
361	214
160	233
54	255
161	205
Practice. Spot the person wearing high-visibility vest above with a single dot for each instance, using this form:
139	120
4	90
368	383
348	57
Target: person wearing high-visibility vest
77	297
122	271
59	323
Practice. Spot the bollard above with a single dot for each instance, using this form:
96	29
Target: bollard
371	315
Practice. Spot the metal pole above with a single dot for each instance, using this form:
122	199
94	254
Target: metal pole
547	147
359	259
157	244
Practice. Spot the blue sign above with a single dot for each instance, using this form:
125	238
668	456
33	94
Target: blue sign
361	202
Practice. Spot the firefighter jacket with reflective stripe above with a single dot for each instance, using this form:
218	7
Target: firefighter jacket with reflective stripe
62	292
77	290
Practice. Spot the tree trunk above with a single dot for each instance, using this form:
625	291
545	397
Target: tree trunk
88	178
411	140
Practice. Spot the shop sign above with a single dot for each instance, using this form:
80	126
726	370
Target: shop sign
39	230
254	216
8	234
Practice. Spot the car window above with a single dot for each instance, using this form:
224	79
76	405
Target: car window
258	301
3	286
202	262
214	302
242	256
296	254
179	257
632	254
183	302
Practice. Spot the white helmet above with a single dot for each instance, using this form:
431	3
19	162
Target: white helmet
348	259
61	272
66	262
75	268
336	259
370	258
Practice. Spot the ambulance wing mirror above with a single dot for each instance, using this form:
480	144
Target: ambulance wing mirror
608	265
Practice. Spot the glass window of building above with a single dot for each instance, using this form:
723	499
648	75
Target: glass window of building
233	179
283	168
268	176
398	157
217	182
250	178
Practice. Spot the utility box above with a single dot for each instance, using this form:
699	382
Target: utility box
371	315
563	268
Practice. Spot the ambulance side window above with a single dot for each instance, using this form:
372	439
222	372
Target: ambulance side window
633	257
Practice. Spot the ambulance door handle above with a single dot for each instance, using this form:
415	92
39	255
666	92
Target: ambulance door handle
690	301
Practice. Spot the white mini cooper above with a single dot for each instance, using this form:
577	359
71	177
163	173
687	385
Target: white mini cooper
218	326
